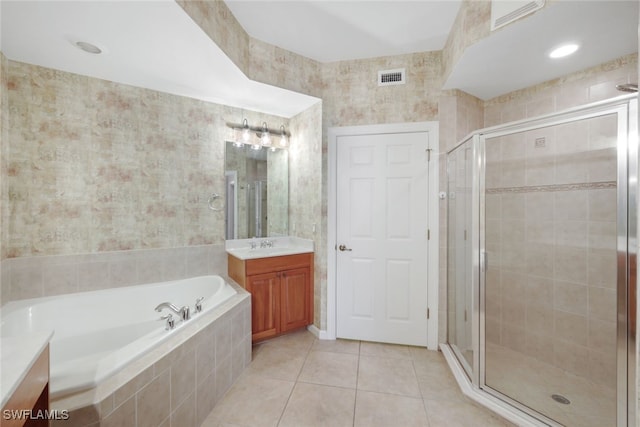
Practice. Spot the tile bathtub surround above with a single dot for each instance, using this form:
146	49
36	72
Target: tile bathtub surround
181	388
33	277
297	380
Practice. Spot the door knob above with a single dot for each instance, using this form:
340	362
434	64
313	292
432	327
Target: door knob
344	248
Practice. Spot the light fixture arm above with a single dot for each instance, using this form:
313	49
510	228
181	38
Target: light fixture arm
259	129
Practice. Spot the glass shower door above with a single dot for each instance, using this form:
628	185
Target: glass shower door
551	267
460	251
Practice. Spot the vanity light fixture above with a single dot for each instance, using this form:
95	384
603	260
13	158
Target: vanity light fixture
263	136
284	140
563	50
246	135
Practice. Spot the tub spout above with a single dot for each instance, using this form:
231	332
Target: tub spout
183	312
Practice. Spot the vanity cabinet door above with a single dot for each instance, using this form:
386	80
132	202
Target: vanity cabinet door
265	305
294	294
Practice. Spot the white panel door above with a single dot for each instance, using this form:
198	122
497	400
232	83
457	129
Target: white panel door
382	186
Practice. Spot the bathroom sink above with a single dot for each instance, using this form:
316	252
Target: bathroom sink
281	247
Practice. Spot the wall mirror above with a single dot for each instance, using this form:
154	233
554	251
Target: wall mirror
257	192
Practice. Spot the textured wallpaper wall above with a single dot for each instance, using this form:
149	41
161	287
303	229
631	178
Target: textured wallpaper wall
97	166
4	110
305	195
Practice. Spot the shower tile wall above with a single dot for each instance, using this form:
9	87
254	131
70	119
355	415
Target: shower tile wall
551	236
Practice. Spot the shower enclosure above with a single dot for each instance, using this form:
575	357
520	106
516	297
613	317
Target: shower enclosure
541	266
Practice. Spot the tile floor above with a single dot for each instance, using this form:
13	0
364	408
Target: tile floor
299	381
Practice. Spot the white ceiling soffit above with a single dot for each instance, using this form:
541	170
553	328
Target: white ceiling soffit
149	44
516	56
329	31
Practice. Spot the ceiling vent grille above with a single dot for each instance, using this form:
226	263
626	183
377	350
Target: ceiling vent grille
504	12
391	77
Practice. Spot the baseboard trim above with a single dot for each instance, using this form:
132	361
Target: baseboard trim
320	334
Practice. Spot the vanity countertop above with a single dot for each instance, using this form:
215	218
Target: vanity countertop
281	246
17	356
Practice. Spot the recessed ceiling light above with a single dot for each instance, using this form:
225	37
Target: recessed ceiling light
564	50
88	47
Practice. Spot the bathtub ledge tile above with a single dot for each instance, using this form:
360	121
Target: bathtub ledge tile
133	386
153	401
123	415
185	414
183	378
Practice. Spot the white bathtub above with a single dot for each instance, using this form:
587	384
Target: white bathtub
98	333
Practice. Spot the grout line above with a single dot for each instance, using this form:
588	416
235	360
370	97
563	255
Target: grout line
355	398
295	382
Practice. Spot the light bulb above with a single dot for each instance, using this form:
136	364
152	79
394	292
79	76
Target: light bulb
284	141
246	135
265	138
564	50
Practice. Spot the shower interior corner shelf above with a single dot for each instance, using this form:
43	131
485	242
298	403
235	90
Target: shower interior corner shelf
281	289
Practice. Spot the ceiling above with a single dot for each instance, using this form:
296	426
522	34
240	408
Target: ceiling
149	44
154	44
516	56
329	31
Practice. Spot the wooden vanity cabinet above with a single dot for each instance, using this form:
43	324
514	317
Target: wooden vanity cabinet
31	394
265	305
281	291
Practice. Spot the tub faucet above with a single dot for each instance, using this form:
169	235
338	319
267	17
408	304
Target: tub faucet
183	312
198	307
171	323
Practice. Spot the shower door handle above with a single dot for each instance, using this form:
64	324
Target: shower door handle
484	261
344	248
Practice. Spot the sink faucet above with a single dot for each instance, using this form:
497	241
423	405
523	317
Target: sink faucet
183	312
266	243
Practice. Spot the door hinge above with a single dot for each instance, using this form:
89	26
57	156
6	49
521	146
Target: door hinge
428	314
428	234
428	150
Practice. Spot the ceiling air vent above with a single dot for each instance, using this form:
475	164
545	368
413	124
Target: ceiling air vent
391	77
504	12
